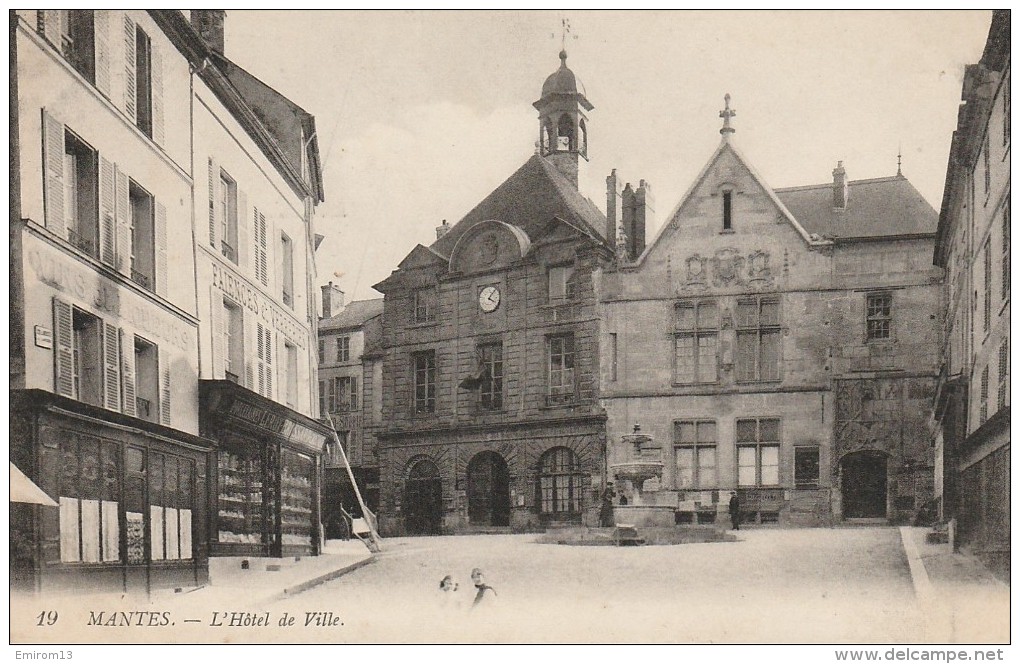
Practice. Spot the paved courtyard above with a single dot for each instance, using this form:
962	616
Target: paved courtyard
772	586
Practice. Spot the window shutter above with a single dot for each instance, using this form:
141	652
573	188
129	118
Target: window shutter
63	348
269	362
107	207
123	216
214	181
261	240
164	392
129	69
243	234
162	271
49	24
218	315
111	366
53	184
127	372
156	64
261	355
250	354
101	28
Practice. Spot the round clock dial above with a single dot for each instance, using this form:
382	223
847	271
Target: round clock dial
488	299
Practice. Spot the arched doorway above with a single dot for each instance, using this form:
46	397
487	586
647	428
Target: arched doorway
864	485
488	490
559	486
423	499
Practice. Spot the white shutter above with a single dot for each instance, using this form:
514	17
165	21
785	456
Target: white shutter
214	183
123	215
53	183
107	207
244	217
49	24
261	240
127	373
156	64
101	30
130	101
164	389
218	316
111	366
261	355
162	270
269	362
63	349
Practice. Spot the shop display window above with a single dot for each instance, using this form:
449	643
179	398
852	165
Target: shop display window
296	493
244	511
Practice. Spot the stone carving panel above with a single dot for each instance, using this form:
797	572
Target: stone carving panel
728	267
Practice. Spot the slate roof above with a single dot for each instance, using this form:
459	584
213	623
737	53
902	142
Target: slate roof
355	314
529	199
877	208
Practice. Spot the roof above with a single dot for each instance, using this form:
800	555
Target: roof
355	314
876	208
562	81
532	197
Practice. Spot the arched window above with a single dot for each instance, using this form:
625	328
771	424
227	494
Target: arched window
559	482
582	138
565	134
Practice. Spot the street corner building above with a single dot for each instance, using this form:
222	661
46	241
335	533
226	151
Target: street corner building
971	415
350	397
161	340
491	420
779	343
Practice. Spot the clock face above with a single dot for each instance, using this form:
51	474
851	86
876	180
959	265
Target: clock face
488	299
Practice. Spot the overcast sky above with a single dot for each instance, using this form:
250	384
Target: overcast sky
421	114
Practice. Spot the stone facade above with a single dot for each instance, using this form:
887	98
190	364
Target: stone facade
742	341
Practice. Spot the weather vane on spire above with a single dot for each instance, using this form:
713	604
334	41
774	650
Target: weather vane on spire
899	160
564	31
726	114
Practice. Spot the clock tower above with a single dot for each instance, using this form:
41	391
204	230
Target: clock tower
562	121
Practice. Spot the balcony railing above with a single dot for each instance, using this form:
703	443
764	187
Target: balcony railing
228	251
82	242
143	407
141	279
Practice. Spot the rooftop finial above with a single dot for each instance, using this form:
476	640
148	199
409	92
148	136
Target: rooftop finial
563	39
899	160
726	114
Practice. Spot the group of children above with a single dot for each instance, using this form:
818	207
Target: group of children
484	594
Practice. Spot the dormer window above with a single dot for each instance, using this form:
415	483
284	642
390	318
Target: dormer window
727	210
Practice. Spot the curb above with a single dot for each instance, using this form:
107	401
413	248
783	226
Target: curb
290	591
918	574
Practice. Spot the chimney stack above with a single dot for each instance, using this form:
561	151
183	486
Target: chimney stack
209	24
614	206
442	230
840	187
638	210
332	300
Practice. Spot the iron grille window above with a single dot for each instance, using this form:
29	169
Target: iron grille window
560	482
491	391
806	467
424	381
758	452
695	342
758	338
694	450
879	320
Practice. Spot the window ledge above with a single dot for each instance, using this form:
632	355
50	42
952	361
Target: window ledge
704	384
416	326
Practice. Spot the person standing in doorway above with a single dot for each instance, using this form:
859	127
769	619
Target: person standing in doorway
734	510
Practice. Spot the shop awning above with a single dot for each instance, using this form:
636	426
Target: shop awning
24	490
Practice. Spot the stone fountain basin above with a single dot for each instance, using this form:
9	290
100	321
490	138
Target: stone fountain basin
637	471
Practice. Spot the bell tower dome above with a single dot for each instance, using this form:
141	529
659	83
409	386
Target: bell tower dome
562	121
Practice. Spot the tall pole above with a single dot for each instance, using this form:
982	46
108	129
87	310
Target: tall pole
357	492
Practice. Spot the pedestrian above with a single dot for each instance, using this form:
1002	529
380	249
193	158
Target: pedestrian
606	511
484	594
734	510
449	598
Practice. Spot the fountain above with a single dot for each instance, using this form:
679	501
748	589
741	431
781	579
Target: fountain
644	463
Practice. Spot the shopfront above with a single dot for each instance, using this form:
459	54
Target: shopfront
267	473
132	500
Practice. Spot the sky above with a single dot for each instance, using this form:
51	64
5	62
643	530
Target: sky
420	114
